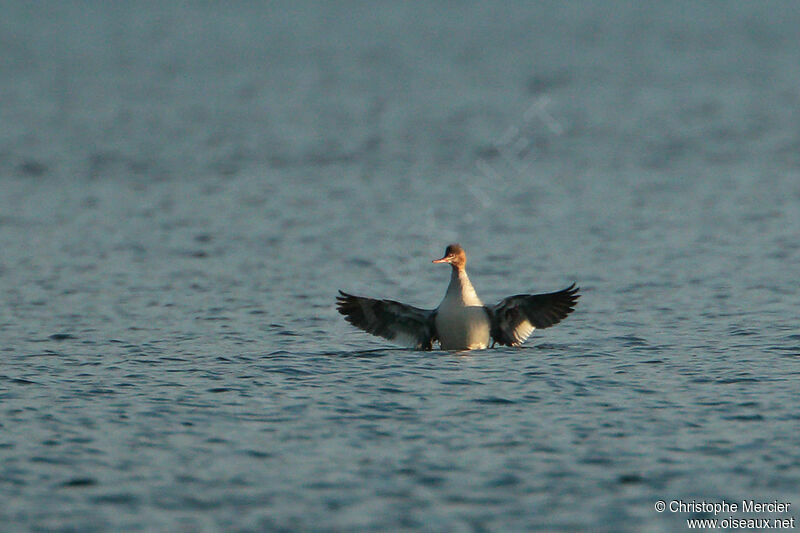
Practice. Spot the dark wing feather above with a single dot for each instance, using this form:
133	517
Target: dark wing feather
401	323
515	317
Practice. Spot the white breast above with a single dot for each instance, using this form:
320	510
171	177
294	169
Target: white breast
462	328
461	320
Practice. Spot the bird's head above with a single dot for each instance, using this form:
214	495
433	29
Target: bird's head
454	255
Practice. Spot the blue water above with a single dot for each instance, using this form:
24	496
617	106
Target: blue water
184	188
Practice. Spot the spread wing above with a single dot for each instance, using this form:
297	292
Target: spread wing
515	317
401	323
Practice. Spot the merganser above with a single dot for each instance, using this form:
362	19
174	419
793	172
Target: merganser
462	321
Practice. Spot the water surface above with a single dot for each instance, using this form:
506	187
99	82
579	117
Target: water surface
184	189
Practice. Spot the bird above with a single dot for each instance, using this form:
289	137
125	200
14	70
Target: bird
461	322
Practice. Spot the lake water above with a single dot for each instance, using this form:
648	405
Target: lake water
184	188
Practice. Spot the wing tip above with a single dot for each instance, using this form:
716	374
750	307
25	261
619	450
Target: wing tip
343	295
572	293
345	303
572	289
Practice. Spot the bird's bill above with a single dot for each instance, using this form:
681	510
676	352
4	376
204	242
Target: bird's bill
445	259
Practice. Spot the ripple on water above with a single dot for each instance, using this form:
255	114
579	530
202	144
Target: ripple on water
79	482
496	400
